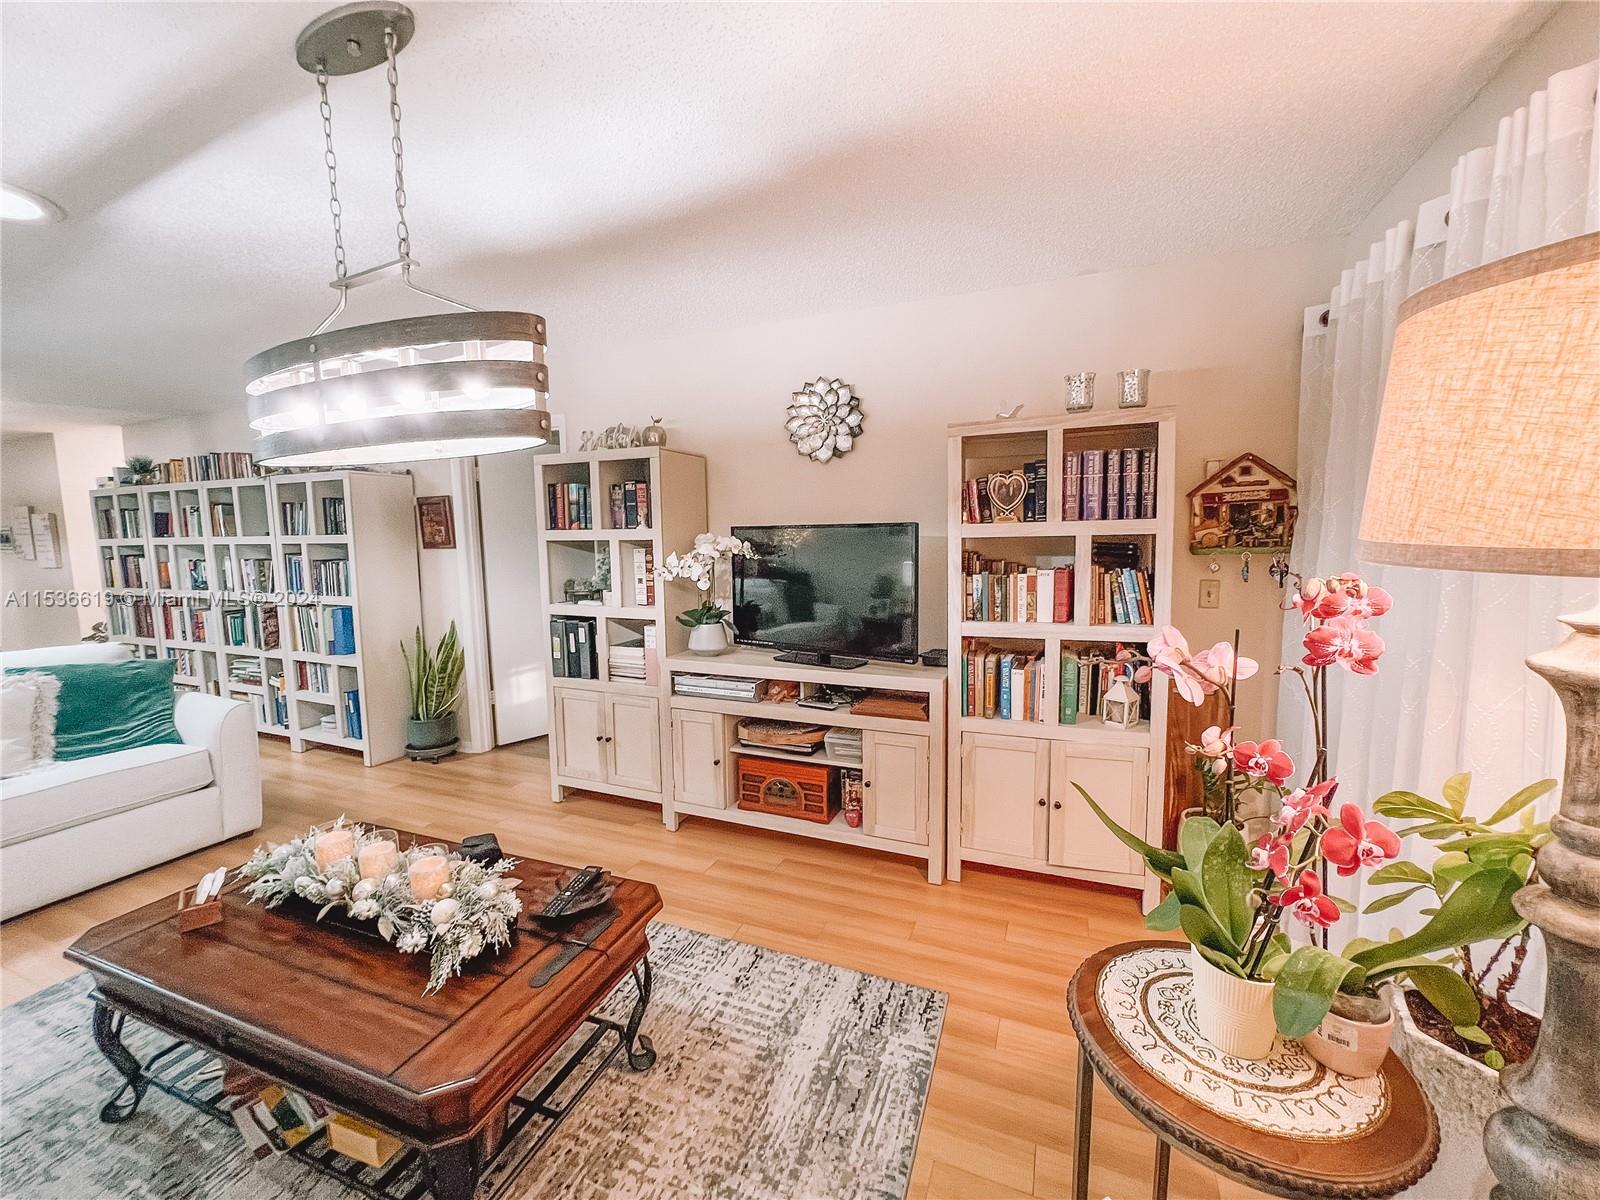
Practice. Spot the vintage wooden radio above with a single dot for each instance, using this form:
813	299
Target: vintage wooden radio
809	791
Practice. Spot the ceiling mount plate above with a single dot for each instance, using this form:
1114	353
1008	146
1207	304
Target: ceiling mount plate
350	39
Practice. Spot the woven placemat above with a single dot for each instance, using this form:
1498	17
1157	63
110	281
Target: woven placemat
1145	998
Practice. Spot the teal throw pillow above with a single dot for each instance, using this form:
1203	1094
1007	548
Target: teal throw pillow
104	707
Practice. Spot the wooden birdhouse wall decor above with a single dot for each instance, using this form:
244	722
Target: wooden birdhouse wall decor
1248	505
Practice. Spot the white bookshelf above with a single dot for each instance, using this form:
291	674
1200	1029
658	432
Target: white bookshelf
227	526
1012	803
609	734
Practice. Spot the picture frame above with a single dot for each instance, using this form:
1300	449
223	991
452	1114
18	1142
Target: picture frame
436	519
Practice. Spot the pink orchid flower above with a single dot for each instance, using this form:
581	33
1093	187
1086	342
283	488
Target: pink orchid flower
1307	903
1215	742
1299	806
1169	654
1357	842
1270	854
1374	603
1217	665
1344	640
1264	761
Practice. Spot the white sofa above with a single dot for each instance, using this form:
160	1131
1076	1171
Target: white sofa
71	826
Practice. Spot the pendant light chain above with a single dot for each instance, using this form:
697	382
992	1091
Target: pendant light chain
402	231
339	267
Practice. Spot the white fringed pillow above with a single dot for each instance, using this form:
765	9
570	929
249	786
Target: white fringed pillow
27	721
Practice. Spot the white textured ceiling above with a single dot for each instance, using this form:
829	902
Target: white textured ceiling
632	170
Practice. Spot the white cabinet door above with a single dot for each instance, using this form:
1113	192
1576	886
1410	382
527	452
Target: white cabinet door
1004	784
895	799
633	741
580	744
1118	780
697	753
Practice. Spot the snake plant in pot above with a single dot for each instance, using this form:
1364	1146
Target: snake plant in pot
435	678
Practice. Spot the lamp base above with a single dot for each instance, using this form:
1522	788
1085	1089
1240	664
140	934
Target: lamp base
1546	1146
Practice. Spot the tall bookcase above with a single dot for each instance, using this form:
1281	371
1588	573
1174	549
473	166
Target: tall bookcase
609	729
1012	801
247	582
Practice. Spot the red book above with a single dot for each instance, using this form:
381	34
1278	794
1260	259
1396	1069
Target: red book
1063	598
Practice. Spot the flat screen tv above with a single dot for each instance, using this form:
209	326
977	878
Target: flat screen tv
829	593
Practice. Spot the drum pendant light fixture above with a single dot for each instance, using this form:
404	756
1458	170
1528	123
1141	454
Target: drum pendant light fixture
448	385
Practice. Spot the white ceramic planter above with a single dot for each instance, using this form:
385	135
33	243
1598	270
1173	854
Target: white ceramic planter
708	639
1233	1014
1464	1093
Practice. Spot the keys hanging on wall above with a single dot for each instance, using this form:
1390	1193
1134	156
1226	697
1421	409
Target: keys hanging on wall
1279	570
1244	567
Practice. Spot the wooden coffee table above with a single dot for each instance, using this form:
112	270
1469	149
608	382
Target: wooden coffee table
340	1015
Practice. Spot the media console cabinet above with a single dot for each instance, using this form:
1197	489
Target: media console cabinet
902	760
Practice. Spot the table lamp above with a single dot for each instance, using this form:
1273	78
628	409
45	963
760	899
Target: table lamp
1488	459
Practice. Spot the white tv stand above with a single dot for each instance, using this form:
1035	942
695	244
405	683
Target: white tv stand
902	761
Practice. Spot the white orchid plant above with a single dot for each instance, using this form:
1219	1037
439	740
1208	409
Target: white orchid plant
474	909
699	566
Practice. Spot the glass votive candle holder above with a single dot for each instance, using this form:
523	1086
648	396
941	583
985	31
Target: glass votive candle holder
1080	391
1133	388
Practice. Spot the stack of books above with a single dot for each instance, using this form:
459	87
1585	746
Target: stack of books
1002	683
1085	677
1109	485
626	660
716	687
630	505
196	467
572	648
997	590
977	510
568	506
1120	591
245	670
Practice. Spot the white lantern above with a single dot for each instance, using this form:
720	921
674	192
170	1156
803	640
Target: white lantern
1120	705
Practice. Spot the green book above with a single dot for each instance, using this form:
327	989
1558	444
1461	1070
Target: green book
1069	688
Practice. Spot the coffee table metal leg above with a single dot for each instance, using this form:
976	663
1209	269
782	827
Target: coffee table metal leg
108	1037
1158	1189
452	1172
641	1054
1083	1119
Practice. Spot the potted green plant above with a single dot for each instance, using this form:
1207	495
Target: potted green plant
142	468
435	679
707	622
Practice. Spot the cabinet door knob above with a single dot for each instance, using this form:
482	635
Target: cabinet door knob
599	737
716	762
866	783
1041	801
608	739
1056	804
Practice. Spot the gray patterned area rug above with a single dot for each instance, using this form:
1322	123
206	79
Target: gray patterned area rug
777	1077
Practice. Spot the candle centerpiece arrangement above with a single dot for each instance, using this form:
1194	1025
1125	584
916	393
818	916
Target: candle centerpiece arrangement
422	898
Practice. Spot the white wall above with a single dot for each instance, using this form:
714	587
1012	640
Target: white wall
84	456
28	476
1571	36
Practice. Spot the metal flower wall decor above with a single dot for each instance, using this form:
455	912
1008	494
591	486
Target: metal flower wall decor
824	419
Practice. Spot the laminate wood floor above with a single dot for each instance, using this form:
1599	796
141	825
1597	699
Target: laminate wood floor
1000	1108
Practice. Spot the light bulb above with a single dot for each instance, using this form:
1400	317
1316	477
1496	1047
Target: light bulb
19	204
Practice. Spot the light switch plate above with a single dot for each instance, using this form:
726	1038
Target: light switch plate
1210	593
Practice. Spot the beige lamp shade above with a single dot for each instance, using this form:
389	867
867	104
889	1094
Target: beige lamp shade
1488	448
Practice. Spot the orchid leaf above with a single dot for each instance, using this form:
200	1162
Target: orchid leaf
1160	861
1521	800
1225	878
1400	872
1408	804
1455	792
1164	917
1445	989
1222	962
1202	929
1387	902
1196	834
1477	910
1494	1060
1472	1033
1303	991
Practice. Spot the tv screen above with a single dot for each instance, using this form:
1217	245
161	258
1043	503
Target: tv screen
833	589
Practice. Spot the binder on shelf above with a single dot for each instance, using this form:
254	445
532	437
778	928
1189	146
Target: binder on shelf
352	714
342	632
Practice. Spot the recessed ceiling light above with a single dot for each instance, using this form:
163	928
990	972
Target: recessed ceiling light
19	204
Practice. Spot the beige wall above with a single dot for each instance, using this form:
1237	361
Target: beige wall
28	476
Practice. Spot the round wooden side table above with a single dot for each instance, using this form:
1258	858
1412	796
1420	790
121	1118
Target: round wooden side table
1286	1126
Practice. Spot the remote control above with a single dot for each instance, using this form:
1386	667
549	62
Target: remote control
567	896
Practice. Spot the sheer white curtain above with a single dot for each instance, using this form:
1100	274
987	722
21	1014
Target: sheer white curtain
1452	693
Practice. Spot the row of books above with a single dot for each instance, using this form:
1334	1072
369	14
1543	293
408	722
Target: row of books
292	518
184	623
131	567
633	657
1109	485
978	509
226	464
1001	683
255	575
568	506
329	576
256	625
333	519
120	522
131	618
716	687
630	505
314	677
995	589
186	664
1120	594
188	524
224	523
314	636
644	575
1085	679
572	648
